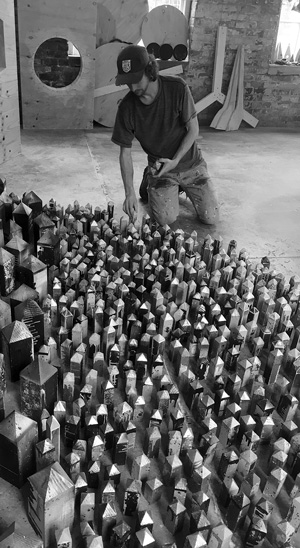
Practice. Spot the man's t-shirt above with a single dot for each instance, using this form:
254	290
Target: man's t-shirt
160	126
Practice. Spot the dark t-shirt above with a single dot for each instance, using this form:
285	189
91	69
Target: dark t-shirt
160	126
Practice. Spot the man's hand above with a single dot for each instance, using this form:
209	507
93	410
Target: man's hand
167	165
130	206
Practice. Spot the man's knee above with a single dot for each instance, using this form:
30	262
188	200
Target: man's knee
164	203
209	216
207	210
204	199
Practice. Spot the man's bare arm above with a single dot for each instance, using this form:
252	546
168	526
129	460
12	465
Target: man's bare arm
130	205
191	135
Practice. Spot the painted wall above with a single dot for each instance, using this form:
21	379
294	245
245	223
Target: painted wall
272	94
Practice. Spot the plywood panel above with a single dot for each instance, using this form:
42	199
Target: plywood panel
106	63
10	141
165	25
9	144
9	120
8	88
8	102
106	25
10	71
105	107
119	20
70	107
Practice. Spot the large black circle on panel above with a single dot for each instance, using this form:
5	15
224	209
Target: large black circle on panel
165	52
153	49
180	52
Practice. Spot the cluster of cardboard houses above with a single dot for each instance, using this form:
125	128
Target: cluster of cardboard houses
158	383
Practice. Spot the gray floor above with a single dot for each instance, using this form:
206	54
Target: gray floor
256	172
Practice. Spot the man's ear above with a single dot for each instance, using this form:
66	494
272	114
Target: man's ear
150	69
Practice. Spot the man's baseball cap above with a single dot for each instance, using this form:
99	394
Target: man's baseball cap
131	64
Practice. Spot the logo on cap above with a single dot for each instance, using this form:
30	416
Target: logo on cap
126	65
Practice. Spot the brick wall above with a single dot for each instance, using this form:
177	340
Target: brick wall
270	95
53	65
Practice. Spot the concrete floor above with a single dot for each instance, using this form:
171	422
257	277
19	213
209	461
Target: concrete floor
256	172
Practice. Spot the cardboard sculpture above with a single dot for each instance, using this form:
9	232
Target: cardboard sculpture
19	248
7	264
186	392
18	348
51	502
33	273
5	316
13	538
32	316
45	454
18	436
22	215
38	389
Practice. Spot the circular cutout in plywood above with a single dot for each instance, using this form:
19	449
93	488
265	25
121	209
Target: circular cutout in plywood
105	106
57	62
165	25
122	18
180	52
153	48
165	52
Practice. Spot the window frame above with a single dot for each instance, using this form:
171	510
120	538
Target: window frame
276	69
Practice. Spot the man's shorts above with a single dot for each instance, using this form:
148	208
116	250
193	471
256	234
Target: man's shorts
163	196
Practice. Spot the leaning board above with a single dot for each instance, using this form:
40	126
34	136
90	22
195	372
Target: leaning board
10	142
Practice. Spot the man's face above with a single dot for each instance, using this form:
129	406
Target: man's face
141	87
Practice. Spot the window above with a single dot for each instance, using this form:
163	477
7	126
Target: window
288	36
179	4
72	51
